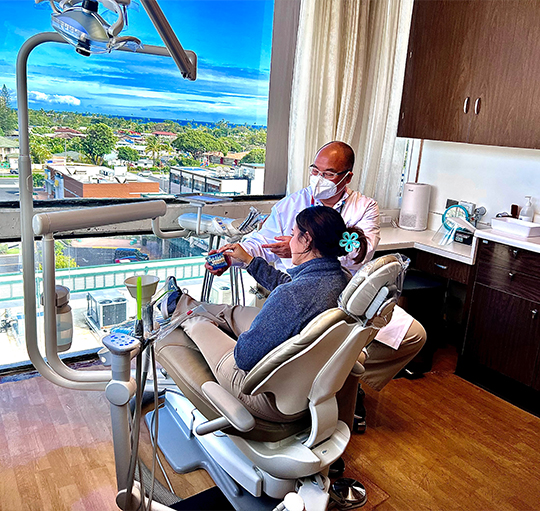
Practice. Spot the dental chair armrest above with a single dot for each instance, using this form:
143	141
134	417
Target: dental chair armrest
358	369
226	404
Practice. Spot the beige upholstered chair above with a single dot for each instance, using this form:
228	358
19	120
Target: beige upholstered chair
301	376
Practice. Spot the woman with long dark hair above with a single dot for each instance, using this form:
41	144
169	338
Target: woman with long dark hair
233	339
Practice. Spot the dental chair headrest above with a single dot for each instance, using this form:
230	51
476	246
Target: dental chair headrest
374	289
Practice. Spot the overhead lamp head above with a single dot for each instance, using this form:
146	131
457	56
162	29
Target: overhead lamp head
84	28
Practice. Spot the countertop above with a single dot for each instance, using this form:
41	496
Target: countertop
395	239
532	244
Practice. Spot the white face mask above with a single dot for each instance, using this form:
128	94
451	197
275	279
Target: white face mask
322	188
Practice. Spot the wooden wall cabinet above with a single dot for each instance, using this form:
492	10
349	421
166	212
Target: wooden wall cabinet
503	333
472	73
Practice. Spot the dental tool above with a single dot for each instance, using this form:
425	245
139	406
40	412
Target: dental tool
231	229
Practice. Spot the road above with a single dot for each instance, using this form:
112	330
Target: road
10	264
9	189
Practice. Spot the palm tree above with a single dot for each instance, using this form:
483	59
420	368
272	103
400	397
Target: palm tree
154	146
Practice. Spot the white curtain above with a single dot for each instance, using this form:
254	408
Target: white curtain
348	76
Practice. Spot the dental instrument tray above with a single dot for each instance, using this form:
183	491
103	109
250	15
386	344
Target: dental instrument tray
200	199
216	261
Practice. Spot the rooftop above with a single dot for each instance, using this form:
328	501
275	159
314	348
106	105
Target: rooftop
7	142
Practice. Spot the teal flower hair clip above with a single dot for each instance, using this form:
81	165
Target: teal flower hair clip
349	241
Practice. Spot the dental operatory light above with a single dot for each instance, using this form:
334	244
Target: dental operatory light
82	26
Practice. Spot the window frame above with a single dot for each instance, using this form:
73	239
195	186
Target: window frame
284	36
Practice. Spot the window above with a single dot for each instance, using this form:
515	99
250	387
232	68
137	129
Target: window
54	93
94	270
119	114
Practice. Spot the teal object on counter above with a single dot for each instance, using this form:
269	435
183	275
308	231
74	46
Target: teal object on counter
453	211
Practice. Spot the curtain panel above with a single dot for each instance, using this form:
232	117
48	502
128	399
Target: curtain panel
347	82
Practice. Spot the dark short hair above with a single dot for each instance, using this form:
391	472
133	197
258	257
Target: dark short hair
326	227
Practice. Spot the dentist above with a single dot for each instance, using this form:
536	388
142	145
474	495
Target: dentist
330	173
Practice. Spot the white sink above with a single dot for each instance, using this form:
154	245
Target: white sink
516	227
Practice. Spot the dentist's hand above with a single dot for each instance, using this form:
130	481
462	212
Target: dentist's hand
236	251
219	271
281	248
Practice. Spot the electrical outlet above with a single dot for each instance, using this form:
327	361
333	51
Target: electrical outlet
386	220
469	206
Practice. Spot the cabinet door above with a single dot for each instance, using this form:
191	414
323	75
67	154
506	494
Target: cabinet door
536	334
505	71
438	74
503	333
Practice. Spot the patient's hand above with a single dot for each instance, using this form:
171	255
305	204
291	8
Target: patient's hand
236	251
281	248
219	271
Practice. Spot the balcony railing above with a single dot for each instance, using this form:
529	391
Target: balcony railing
92	278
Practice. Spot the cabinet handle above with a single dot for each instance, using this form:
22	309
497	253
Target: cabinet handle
515	253
477	105
466	105
511	275
441	266
534	313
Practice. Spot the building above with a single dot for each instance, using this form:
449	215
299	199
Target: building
132	144
209	180
8	147
165	135
91	181
220	159
67	131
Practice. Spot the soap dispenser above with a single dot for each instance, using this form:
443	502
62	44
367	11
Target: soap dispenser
527	211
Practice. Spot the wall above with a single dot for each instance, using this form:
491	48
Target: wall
120	190
493	177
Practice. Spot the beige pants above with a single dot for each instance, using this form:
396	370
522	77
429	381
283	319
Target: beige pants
383	362
213	336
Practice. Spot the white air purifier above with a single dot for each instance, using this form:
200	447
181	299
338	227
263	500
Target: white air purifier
415	206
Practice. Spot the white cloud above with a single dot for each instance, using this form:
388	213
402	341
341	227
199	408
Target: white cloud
53	98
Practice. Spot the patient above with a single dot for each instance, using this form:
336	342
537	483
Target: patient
233	339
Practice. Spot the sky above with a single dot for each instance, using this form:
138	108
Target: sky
232	40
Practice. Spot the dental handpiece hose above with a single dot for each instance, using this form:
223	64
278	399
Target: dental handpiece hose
146	327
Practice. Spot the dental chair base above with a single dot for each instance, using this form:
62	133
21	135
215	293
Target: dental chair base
222	457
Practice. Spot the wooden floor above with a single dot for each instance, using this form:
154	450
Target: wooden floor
437	443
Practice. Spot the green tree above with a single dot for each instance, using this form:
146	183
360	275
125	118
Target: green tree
221	129
62	260
127	154
7	117
188	162
256	155
39	118
231	144
99	141
38	178
196	142
40	130
39	152
154	146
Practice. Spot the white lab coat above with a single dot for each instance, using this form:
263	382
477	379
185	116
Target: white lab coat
356	210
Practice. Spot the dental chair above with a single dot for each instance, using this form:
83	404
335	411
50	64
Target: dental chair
255	461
